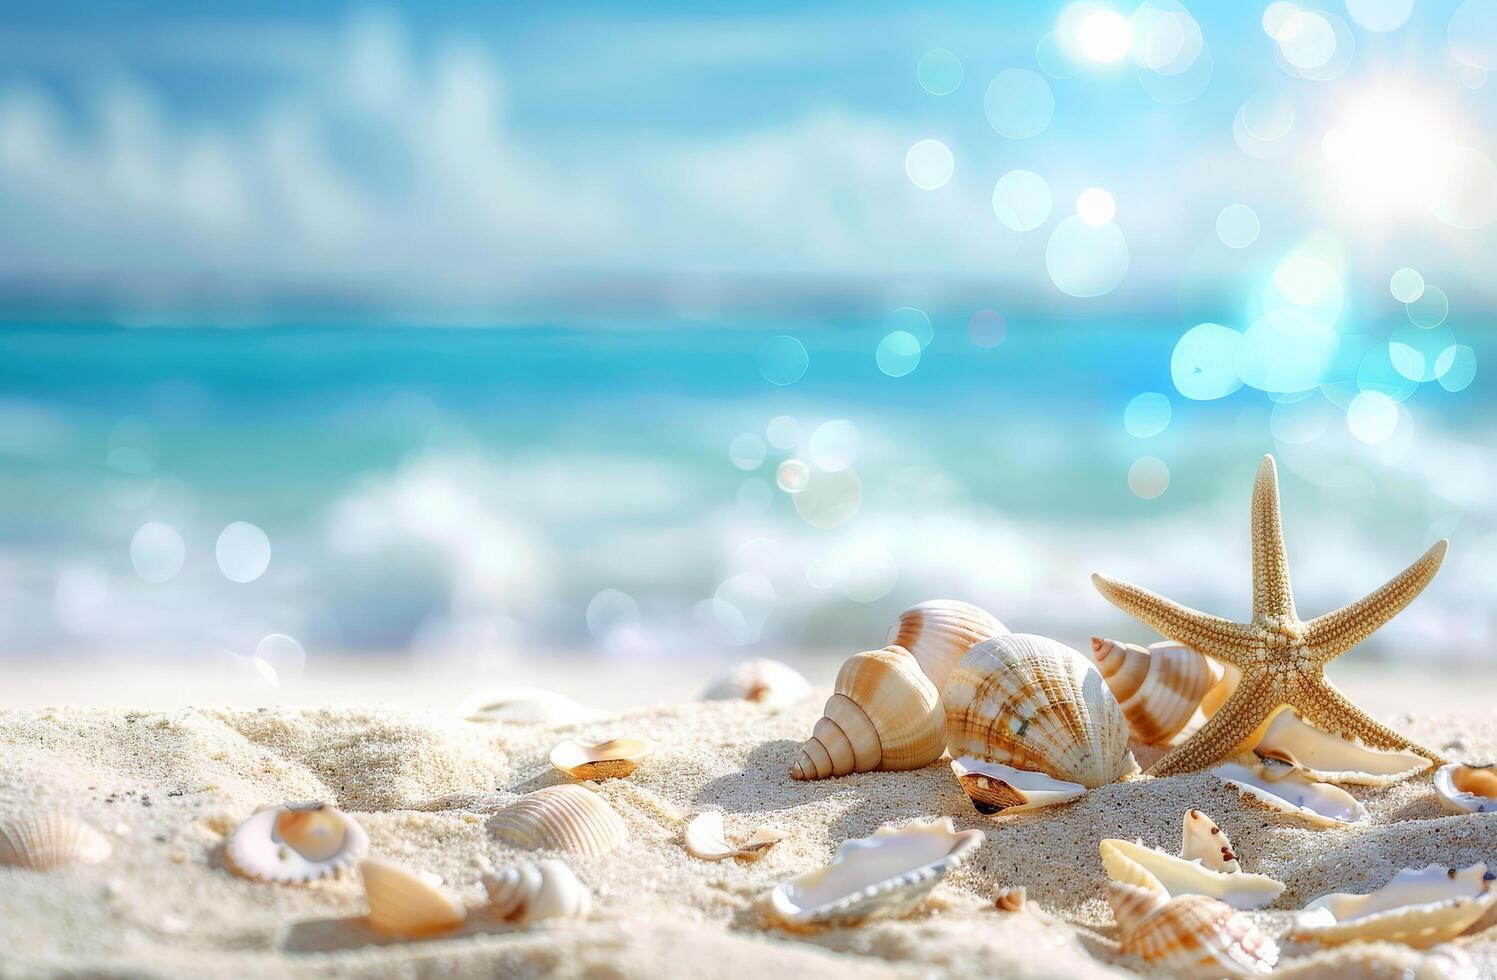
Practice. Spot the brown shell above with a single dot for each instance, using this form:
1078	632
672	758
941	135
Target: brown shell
1189	936
1160	688
939	632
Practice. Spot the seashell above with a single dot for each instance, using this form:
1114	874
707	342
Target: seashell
706	838
995	788
938	633
403	902
1035	704
1329	758
560	818
885	875
296	843
50	840
1419	907
1190	936
1466	789
885	714
612	759
526	706
1319	804
762	681
1009	899
527	893
1160	688
1170	876
1202	840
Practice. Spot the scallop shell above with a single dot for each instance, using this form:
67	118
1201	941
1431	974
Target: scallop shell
1466	789
296	843
1202	840
1290	793
1035	704
995	788
527	893
1160	688
1419	907
403	902
615	758
560	818
1191	936
882	876
1170	876
50	840
762	681
1330	758
938	633
526	706
885	714
706	838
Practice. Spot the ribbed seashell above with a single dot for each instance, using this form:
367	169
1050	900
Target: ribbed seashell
1381	961
296	843
1419	907
885	875
403	902
1035	704
1331	758
1148	867
613	759
1466	789
763	681
1287	792
1190	936
939	632
1160	688
526	706
527	893
50	840
560	818
705	837
995	788
884	714
1202	840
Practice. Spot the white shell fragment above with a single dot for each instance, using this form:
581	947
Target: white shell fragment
1467	789
526	706
296	843
528	893
50	840
995	788
1291	794
611	759
403	902
1419	907
1330	758
1202	840
1147	867
763	681
1189	937
706	838
561	818
885	875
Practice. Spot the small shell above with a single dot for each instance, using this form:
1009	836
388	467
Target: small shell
1202	840
1419	907
872	877
612	759
1291	794
526	706
296	843
1191	936
1467	789
995	788
762	681
527	893
1160	688
706	838
1330	758
403	902
1170	876
938	633
50	840
1035	704
1007	899
560	818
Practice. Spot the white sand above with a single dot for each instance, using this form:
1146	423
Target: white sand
168	785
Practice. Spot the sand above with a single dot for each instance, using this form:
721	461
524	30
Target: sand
168	785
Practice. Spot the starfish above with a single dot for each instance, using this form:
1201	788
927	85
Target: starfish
1282	658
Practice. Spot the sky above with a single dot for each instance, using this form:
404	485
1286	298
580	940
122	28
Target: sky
244	163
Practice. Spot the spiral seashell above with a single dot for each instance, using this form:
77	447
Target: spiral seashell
560	818
1190	936
613	759
50	840
403	902
1160	688
1202	840
885	714
1419	907
763	681
527	893
1035	704
1467	789
1170	876
296	843
1281	790
938	633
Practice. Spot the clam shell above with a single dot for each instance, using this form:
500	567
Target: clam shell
527	893
50	840
296	843
526	706
1318	804
1170	876
611	759
1330	758
1419	907
706	838
995	788
881	876
938	633
403	902
1466	789
560	818
1160	688
1191	936
1035	704
1202	840
762	681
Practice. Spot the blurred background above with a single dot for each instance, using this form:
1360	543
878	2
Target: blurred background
601	347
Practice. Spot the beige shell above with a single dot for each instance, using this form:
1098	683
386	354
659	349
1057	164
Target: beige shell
1282	790
560	818
527	893
1419	907
1035	704
1381	961
526	706
50	840
1190	936
1010	899
1160	688
762	680
1331	758
1147	867
403	902
938	633
884	714
995	788
612	759
296	843
705	837
1202	840
1466	789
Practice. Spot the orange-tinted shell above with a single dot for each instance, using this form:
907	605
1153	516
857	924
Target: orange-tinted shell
1160	688
939	632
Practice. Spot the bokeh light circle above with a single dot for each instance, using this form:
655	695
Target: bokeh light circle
1285	350
1430	308
1415	351
1380	16
157	552
834	445
1148	477
987	328
1465	193
1021	200
783	360
829	498
1085	260
1473	77
1297	421
1456	368
1096	206
746	451
1237	226
783	432
1377	372
1104	36
1472	34
1306	40
283	654
898	353
1276	15
939	72
1054	60
1267	117
792	475
612	615
913	321
1018	103
929	164
1167	40
243	552
1372	417
1147	414
1204	363
1406	285
1177	89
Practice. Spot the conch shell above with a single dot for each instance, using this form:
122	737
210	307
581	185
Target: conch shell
1160	688
706	838
1170	876
938	633
1035	704
1281	789
403	902
1467	789
561	818
1190	936
885	714
50	840
526	893
1331	758
763	681
995	788
296	843
613	759
1419	907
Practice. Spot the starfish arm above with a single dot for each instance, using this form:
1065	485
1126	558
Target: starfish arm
1231	726
1272	595
1325	707
1335	633
1211	635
